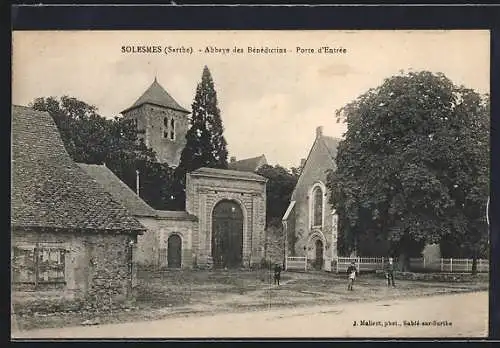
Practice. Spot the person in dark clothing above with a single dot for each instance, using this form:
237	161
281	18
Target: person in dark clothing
351	272
389	272
277	274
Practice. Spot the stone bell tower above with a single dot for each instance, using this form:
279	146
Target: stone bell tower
161	122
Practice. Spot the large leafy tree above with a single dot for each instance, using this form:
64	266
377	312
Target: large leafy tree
93	139
205	142
414	165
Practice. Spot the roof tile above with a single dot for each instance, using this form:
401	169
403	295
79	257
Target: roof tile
49	189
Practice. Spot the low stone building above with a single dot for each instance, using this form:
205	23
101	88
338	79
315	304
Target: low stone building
167	242
69	237
223	225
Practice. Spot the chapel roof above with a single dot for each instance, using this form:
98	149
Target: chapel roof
49	190
157	95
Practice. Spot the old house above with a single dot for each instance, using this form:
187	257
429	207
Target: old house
69	237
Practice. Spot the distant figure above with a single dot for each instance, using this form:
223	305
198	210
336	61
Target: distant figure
277	274
351	271
389	272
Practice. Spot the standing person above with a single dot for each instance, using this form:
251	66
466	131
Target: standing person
277	274
351	271
389	272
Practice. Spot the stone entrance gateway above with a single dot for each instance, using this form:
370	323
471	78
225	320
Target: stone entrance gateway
227	235
174	251
231	211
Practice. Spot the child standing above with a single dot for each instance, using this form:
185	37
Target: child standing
351	271
277	274
389	272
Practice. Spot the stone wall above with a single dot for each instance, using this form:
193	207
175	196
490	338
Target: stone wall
204	192
153	244
97	267
150	120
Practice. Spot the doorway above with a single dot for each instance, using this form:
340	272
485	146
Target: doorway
227	235
319	255
174	252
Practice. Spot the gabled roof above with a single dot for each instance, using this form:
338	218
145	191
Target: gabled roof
248	164
157	95
227	174
330	144
49	190
118	189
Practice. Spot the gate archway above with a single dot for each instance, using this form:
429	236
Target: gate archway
227	234
174	252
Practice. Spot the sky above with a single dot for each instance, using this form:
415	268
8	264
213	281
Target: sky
270	103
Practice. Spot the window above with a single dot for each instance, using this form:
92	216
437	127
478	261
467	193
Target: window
165	127
38	264
172	129
316	205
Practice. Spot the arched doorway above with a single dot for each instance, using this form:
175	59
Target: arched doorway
318	262
227	235
174	252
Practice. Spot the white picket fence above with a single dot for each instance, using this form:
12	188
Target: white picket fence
296	263
340	264
448	265
365	264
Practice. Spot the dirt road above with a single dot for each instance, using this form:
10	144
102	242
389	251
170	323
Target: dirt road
459	315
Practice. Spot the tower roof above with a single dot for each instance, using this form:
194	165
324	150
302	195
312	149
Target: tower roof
157	95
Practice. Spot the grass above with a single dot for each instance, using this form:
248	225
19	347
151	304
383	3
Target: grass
184	293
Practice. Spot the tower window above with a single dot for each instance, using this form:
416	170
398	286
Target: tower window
165	127
172	129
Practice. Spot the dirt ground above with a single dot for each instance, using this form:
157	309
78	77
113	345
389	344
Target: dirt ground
458	315
189	293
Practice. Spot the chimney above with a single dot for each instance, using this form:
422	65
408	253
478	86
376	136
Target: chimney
302	162
233	159
319	131
137	182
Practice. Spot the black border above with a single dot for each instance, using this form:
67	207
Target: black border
388	17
